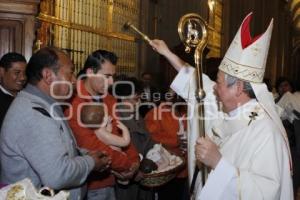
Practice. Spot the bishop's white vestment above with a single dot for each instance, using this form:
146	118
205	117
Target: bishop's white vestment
255	159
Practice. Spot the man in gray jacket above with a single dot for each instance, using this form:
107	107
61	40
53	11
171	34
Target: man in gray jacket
36	142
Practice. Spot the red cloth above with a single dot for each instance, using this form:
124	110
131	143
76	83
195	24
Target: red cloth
163	128
246	38
87	139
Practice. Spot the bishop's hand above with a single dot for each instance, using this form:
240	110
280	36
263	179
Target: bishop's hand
207	152
160	46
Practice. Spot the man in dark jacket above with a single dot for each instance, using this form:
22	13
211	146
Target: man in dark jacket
13	78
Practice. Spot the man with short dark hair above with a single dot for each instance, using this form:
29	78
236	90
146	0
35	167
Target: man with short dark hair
36	142
13	78
92	87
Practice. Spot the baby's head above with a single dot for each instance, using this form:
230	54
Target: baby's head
92	115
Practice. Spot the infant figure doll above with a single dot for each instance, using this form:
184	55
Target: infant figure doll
95	116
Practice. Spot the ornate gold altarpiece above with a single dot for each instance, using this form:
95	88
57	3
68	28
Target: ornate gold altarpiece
82	26
215	28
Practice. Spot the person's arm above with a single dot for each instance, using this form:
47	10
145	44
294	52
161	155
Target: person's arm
130	150
47	153
87	139
181	84
161	47
114	140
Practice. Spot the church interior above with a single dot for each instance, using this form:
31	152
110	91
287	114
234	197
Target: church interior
79	27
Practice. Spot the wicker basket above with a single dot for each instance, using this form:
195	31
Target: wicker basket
160	178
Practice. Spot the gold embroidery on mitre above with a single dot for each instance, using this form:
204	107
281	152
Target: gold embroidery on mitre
255	50
243	72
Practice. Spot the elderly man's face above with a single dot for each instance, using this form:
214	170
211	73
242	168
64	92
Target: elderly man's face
224	94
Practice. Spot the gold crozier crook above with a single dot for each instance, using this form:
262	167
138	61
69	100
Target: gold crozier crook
192	31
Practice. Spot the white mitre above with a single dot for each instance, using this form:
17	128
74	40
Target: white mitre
246	59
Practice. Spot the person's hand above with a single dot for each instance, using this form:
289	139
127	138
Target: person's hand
160	46
132	170
121	126
207	152
102	161
120	175
126	175
123	176
139	176
108	125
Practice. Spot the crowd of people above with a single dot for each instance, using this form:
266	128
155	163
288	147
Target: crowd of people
68	132
89	134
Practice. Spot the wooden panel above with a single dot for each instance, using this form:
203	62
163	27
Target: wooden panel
11	32
4	40
17	26
17	7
